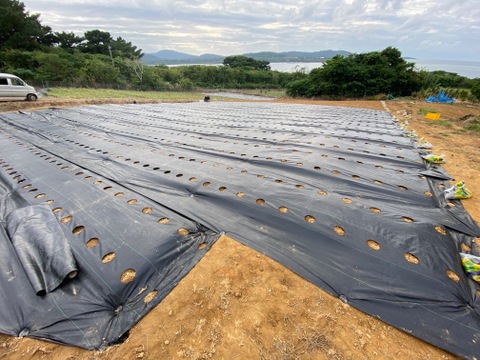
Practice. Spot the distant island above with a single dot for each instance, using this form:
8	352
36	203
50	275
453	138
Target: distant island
172	57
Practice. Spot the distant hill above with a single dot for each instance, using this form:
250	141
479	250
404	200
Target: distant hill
171	57
149	59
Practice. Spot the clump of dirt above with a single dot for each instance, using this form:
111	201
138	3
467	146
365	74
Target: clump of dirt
469	119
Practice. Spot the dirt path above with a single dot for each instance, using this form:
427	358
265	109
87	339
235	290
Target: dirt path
239	304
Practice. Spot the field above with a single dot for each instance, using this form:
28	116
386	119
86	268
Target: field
238	304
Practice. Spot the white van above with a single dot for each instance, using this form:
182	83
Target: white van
12	86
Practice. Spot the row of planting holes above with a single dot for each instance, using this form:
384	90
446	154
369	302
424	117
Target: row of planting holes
188	127
147	210
335	172
229	168
129	274
336	146
283	209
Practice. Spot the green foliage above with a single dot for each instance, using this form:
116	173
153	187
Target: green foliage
54	67
122	48
24	73
67	41
96	42
457	94
19	29
424	112
441	123
298	88
33	52
473	127
443	79
360	75
245	62
18	59
98	70
475	90
203	76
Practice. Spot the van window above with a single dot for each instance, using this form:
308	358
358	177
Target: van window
17	82
3	81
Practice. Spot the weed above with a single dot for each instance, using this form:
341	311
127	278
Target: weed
441	135
425	111
441	123
475	127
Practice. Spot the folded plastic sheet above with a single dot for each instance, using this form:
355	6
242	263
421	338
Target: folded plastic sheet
41	247
339	195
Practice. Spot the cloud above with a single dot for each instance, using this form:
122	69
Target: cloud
446	29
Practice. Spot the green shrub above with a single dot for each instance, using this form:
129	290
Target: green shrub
475	90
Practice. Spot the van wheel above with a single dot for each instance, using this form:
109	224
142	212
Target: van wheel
31	97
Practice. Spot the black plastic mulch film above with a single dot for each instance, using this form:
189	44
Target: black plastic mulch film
339	195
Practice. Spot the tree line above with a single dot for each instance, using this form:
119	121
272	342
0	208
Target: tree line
371	74
37	54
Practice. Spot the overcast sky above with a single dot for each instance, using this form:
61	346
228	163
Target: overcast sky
424	29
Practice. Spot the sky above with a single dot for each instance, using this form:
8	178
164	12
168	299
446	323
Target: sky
422	29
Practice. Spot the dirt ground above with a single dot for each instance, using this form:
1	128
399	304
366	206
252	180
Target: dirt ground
239	304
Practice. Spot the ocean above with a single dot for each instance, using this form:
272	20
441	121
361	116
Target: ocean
469	69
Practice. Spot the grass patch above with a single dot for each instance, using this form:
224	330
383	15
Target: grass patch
425	111
441	135
82	93
473	127
86	93
441	123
